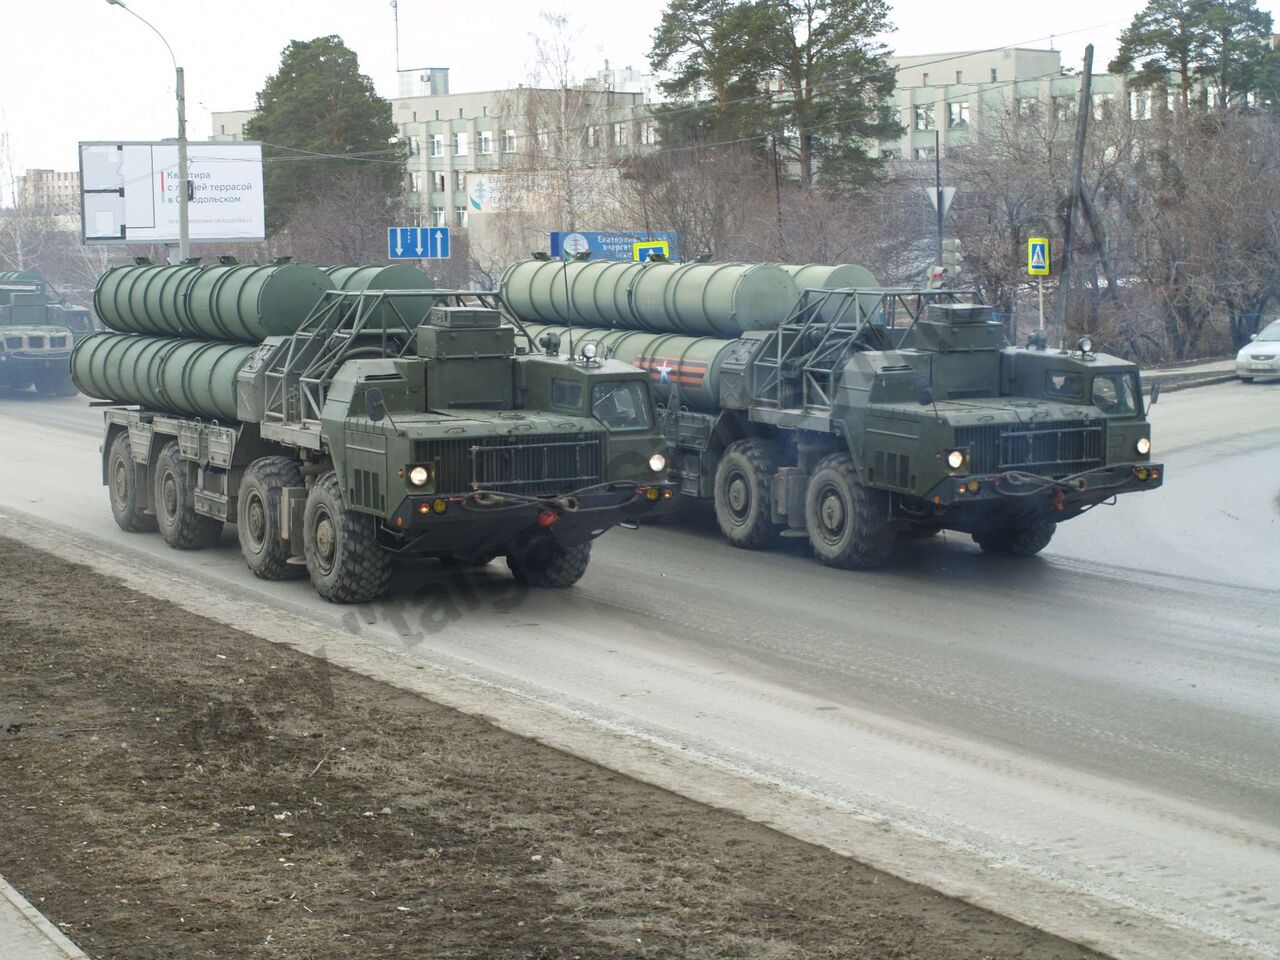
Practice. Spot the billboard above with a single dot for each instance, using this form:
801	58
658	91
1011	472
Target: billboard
129	192
610	245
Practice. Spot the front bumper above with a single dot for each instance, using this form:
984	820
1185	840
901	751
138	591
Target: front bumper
955	502
1249	367
479	523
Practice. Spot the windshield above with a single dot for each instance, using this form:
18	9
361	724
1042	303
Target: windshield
621	405
1115	394
1271	331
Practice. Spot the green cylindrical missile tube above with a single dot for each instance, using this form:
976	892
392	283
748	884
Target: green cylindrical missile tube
695	299
692	364
249	303
398	276
192	377
844	276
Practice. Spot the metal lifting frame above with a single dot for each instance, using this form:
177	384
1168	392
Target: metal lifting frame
810	347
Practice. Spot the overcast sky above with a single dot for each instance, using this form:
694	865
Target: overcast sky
84	70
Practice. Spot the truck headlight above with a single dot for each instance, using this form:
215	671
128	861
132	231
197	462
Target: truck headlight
955	459
1144	446
658	462
419	476
588	351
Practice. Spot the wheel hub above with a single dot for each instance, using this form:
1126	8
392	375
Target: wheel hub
256	520
832	514
120	482
739	495
325	540
169	494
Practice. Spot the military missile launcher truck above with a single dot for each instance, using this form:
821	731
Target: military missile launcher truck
391	422
37	331
853	417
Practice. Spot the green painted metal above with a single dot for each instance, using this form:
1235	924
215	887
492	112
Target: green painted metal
843	276
399	276
21	276
692	364
695	299
192	377
249	303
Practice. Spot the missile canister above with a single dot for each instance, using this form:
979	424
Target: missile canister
249	303
193	377
691	363
146	298
398	276
696	299
842	277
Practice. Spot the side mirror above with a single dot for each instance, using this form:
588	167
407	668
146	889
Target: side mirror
375	405
924	391
1155	393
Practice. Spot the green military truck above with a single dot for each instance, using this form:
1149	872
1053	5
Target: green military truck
37	333
854	417
391	423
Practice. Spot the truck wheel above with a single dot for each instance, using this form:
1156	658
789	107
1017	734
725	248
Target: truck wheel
743	493
1024	539
341	546
258	517
548	563
56	383
180	525
848	524
122	486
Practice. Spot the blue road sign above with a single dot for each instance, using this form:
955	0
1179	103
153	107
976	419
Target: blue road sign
417	243
609	246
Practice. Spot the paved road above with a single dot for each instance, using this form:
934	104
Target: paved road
1102	720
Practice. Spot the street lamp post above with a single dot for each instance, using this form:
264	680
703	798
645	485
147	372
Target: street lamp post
184	222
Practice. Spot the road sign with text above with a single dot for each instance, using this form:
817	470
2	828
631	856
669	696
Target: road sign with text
417	243
1038	257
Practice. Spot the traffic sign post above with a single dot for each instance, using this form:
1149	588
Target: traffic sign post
1038	267
417	243
643	250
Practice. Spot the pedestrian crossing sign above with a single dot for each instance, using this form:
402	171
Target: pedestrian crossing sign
1038	257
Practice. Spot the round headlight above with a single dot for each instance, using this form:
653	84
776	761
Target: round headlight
955	459
1144	446
589	351
419	476
658	462
1086	344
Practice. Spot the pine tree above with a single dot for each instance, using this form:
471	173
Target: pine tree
320	121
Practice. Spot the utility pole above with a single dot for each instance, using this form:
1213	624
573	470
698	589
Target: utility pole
940	209
1077	180
184	182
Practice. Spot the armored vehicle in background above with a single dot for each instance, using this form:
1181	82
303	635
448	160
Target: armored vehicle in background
390	423
854	416
37	332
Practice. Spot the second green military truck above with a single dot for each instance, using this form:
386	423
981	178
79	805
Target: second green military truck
37	332
855	416
391	423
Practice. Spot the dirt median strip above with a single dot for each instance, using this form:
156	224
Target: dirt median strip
170	786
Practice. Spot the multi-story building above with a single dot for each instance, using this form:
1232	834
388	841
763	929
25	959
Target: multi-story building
229	124
57	191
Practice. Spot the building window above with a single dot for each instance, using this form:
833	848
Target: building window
439	182
544	140
924	116
1103	105
459	141
460	216
1064	108
959	76
484	141
1028	108
415	146
994	75
509	142
648	133
958	116
621	135
415	182
460	180
891	153
1139	105
437	144
438	217
925	81
593	136
923	153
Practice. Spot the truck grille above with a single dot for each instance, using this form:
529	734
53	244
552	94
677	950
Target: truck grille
1055	448
533	464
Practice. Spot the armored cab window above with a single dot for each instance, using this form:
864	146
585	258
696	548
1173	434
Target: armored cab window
621	406
567	395
1063	385
1115	394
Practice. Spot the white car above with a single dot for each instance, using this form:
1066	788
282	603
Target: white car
1261	358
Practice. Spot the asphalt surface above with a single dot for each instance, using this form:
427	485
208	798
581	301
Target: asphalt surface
1101	721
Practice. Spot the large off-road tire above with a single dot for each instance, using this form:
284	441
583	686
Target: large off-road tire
55	383
122	488
1023	539
341	546
175	504
258	518
547	563
848	524
744	491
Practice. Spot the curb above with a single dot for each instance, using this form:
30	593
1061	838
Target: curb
1177	385
14	903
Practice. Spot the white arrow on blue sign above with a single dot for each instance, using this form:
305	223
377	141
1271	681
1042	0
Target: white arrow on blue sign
417	243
